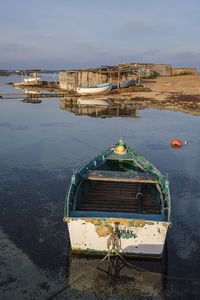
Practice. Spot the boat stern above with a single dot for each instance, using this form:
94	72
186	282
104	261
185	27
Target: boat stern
133	237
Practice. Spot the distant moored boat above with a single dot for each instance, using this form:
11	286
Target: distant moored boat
123	84
29	77
94	89
32	79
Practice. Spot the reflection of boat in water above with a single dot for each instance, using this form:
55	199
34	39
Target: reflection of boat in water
31	100
122	107
94	89
32	92
32	96
118	198
138	278
102	109
93	102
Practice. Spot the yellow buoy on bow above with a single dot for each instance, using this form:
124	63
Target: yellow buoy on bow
120	148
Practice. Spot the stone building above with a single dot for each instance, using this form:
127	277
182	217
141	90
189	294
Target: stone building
71	79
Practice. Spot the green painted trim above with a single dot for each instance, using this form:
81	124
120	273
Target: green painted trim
89	251
131	220
101	158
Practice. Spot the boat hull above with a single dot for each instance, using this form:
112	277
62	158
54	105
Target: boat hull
93	90
34	79
123	84
118	202
28	83
135	237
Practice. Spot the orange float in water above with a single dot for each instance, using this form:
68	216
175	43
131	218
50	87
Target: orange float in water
176	144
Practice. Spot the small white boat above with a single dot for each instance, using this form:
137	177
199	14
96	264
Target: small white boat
94	89
32	79
29	77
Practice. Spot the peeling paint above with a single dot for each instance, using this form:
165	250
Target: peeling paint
93	234
166	224
107	221
105	226
122	222
140	223
104	230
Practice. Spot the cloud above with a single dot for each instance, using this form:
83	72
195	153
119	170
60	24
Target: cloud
75	53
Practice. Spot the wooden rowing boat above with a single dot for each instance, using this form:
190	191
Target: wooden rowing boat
94	89
120	200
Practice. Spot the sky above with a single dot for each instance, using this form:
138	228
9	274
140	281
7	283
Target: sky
68	34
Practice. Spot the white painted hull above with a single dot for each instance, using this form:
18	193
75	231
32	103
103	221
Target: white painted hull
142	238
94	90
34	79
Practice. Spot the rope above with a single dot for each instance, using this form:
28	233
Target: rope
114	239
158	274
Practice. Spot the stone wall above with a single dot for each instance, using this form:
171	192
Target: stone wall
150	69
180	71
162	70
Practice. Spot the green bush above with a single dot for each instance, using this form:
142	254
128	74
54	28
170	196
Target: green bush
183	74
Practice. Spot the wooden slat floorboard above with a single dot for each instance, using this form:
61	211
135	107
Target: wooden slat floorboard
117	197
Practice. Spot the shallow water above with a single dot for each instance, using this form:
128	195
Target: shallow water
40	146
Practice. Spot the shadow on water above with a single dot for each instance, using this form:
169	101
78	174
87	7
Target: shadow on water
116	277
31	215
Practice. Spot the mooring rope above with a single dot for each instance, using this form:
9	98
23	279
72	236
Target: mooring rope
115	250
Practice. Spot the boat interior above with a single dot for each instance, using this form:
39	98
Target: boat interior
118	187
119	197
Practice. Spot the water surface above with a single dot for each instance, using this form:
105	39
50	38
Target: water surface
41	145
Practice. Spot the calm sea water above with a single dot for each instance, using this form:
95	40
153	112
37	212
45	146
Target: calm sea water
40	146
